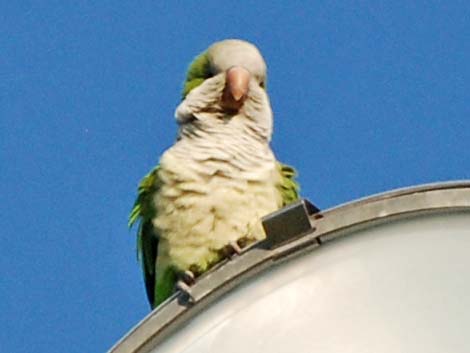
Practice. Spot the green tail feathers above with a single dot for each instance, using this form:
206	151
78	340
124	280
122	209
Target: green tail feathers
165	286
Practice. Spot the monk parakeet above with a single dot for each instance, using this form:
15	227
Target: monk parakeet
212	187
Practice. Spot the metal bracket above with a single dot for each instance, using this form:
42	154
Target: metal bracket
288	223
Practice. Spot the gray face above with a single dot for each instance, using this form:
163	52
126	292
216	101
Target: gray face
233	52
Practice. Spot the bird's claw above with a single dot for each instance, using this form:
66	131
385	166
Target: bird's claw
188	277
235	247
184	284
185	290
231	249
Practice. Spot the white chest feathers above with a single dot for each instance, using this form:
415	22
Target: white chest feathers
202	206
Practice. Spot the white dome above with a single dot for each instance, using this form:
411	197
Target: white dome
387	273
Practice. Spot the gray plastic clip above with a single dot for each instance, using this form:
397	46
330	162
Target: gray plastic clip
288	223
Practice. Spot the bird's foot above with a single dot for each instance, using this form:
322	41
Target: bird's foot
188	278
235	247
231	249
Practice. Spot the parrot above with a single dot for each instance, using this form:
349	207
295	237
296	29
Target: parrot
204	200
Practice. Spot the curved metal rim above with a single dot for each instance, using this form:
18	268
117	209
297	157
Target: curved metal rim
326	225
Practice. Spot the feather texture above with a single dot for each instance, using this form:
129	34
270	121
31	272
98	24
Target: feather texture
147	239
215	183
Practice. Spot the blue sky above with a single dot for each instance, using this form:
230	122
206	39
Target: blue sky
368	96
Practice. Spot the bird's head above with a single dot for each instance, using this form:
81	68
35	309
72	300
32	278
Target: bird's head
238	60
223	80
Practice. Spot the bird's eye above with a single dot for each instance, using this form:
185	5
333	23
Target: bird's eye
261	84
209	72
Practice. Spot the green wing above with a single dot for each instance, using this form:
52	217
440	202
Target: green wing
288	187
147	241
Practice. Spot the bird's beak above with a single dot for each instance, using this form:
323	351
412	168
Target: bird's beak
236	87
